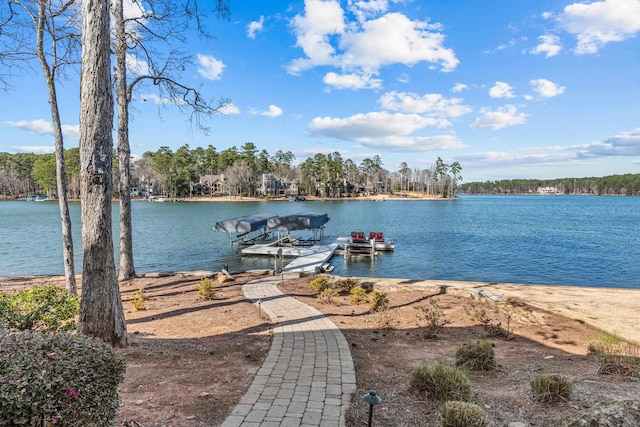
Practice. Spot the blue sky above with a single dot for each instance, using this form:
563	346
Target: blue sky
508	88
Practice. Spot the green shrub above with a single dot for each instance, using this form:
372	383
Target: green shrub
358	294
463	414
45	308
432	320
443	382
319	284
551	387
605	343
378	301
58	379
205	289
346	285
138	301
328	296
476	355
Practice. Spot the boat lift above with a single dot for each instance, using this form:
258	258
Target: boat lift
246	230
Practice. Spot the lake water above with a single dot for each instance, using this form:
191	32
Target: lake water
555	240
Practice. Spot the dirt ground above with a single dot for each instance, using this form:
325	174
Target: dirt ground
189	361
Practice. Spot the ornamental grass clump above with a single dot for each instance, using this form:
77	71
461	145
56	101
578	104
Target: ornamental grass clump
58	379
614	356
463	414
45	308
550	388
442	382
205	289
476	355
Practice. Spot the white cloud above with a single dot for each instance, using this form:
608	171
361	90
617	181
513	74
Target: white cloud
273	111
546	88
389	131
368	9
501	90
625	144
432	104
597	23
395	39
43	127
459	87
414	143
369	125
210	68
351	81
36	149
135	66
321	20
229	110
254	27
549	46
363	46
499	118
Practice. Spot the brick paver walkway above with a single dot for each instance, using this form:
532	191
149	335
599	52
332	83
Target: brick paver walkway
308	376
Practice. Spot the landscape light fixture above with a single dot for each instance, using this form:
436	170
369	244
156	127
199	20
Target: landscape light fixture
372	399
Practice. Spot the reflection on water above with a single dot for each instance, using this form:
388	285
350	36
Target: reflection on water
565	240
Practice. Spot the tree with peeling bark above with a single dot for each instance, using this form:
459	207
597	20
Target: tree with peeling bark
135	35
101	311
54	43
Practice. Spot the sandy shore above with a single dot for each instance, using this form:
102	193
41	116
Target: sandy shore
610	309
613	310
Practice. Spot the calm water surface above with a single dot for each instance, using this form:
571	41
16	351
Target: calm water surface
561	240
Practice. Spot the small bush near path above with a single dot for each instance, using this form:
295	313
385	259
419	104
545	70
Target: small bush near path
319	284
57	379
442	382
205	289
139	300
463	414
432	320
550	388
378	302
476	355
45	308
329	296
358	294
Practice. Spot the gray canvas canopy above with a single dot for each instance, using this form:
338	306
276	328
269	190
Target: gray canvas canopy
244	224
299	221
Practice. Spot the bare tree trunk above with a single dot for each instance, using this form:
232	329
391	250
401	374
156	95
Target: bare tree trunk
101	312
61	179
126	269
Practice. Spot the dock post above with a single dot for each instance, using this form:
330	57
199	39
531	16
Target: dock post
373	248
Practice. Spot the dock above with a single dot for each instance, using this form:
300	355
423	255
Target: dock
308	259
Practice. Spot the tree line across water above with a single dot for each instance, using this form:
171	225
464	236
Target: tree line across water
171	173
612	185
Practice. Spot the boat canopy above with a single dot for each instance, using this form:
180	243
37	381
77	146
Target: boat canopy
244	224
299	221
